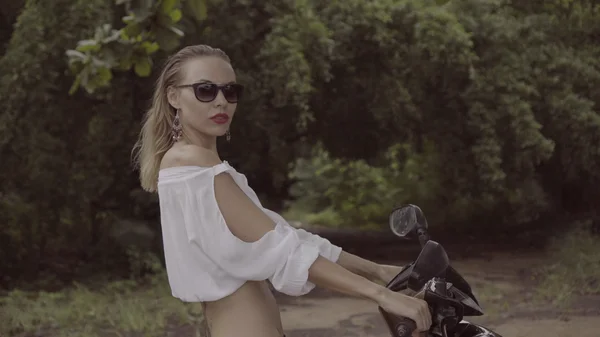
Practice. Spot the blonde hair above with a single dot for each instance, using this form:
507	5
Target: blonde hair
155	136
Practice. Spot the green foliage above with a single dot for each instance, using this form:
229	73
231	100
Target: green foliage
354	193
65	158
495	103
121	308
490	87
489	92
150	25
33	124
576	270
142	263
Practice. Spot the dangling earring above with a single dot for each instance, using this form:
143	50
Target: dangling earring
228	135
177	128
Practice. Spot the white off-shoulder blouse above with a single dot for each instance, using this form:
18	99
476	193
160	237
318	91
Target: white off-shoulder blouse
206	262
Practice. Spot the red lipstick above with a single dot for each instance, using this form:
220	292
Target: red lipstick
220	118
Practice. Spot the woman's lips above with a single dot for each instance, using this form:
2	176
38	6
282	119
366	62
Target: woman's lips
220	118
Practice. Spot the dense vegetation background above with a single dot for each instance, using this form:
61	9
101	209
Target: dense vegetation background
483	112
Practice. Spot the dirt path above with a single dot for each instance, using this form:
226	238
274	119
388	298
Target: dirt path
502	283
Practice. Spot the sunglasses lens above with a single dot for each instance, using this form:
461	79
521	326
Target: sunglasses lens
206	92
232	92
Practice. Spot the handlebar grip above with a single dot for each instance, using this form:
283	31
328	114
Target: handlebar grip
405	327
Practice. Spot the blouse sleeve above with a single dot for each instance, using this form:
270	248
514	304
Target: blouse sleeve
326	248
280	255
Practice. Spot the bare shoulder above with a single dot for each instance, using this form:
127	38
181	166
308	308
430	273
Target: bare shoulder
189	155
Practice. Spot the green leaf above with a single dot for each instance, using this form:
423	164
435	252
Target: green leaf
113	36
140	14
132	30
75	54
84	76
125	64
128	19
75	85
150	47
143	67
197	8
177	31
104	75
167	6
88	45
176	15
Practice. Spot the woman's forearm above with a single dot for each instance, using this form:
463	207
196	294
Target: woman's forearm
332	276
359	266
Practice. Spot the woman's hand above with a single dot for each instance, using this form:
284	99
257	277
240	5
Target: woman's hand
406	306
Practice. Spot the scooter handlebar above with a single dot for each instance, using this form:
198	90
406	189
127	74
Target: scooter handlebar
405	327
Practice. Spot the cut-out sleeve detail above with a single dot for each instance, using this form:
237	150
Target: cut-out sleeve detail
206	262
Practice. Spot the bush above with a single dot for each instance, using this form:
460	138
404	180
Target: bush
121	308
334	192
576	267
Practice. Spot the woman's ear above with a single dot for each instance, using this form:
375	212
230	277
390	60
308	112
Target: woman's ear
173	97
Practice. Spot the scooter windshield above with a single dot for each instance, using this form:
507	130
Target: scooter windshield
432	262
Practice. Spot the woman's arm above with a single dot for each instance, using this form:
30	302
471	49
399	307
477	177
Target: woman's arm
380	273
335	277
368	269
375	272
247	222
234	212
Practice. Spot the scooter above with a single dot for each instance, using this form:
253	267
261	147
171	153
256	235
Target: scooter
447	293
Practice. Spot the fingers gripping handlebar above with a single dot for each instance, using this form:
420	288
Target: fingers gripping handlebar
399	326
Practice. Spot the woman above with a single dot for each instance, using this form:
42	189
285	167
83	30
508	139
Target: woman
221	245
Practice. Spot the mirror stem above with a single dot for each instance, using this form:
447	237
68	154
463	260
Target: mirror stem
423	236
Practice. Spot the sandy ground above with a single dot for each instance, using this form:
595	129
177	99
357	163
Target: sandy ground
501	283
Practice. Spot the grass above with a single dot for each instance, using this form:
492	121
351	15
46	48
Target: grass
575	270
121	309
131	308
493	299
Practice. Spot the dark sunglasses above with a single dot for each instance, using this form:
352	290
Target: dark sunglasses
207	92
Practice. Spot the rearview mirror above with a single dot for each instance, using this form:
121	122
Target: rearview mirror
405	220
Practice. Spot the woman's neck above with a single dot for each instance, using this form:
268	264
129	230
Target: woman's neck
201	140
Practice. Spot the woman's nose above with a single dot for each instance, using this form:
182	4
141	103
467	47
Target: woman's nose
220	99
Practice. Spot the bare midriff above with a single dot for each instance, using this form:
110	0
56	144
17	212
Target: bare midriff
251	311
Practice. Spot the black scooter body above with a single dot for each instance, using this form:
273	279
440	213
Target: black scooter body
457	299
